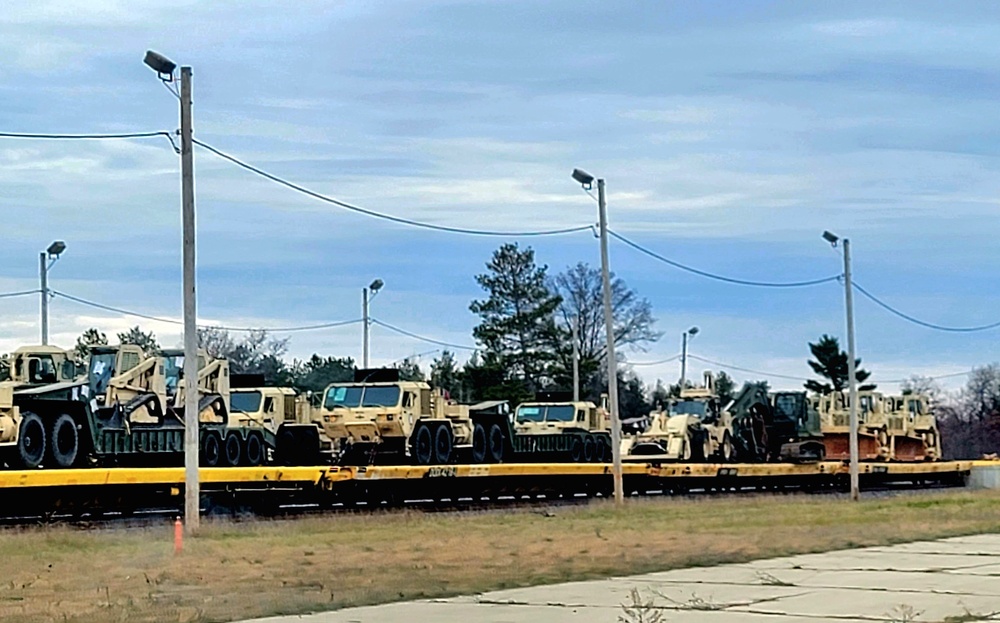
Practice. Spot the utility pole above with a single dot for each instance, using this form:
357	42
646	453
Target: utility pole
364	335
684	359
576	358
43	274
192	488
851	380
609	328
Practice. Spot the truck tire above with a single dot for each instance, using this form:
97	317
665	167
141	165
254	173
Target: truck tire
64	442
576	451
423	445
480	451
232	449
443	445
589	448
31	441
211	450
496	444
254	450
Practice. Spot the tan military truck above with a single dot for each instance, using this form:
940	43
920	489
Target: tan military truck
555	428
287	415
380	418
693	428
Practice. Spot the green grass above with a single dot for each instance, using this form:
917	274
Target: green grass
259	568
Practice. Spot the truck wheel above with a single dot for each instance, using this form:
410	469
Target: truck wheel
576	451
423	445
31	441
496	443
232	450
726	451
479	450
601	454
211	451
442	445
254	450
588	450
64	442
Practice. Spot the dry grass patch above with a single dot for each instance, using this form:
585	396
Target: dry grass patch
258	568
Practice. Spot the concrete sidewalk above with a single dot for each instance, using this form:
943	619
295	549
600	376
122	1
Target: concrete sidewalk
924	581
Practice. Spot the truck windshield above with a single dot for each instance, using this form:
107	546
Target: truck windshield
560	413
530	414
247	402
361	396
689	407
102	368
787	406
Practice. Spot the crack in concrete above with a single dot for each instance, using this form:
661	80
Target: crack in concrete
876	589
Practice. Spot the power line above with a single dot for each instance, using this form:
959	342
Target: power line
702	273
7	295
652	363
420	337
127	312
732	367
917	321
932	378
380	215
85	137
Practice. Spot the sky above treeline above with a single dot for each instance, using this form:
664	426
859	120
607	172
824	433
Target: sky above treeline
731	134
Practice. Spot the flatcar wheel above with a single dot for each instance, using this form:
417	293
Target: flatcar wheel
64	442
442	445
480	452
232	449
254	450
31	441
423	445
496	443
589	448
576	451
211	450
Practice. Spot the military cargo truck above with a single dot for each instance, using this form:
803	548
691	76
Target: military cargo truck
298	439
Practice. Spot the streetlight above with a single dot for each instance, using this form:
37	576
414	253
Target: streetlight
164	69
374	288
46	259
693	331
851	380
587	181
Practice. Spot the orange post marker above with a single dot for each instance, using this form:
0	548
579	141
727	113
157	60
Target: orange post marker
178	536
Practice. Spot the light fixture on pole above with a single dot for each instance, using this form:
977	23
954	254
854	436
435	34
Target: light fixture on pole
852	382
164	69
587	181
45	261
690	333
374	288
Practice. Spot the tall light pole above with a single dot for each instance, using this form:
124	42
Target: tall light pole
852	382
46	259
693	331
576	358
587	181
374	287
192	489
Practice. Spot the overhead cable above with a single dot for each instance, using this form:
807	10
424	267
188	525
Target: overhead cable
733	280
917	321
126	312
381	215
84	137
732	367
7	295
652	363
422	338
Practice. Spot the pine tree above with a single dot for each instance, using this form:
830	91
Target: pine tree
831	364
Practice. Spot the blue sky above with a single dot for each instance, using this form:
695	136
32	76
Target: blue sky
731	135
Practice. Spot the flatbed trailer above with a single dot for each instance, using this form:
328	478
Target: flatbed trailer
123	491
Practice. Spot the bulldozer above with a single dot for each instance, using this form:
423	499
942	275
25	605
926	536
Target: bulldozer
692	428
905	427
381	418
835	424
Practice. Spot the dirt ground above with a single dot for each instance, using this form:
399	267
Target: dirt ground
241	569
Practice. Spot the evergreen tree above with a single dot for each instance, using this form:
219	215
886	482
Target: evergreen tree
409	370
90	337
143	339
831	364
725	387
517	328
445	374
315	373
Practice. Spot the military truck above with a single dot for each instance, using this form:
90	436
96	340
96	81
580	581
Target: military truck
380	418
298	439
692	428
552	428
121	412
28	366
